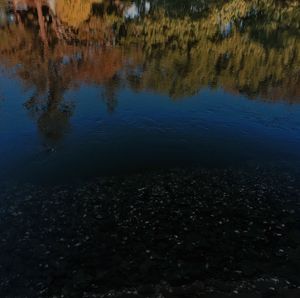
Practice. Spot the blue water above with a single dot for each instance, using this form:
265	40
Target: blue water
146	131
77	105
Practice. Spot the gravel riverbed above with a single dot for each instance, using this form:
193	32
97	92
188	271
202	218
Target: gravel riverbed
178	233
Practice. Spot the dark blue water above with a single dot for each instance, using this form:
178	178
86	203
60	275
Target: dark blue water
115	113
146	131
189	113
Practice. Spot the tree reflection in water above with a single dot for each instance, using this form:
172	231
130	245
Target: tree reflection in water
171	48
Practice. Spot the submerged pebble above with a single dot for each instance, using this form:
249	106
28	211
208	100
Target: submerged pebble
192	233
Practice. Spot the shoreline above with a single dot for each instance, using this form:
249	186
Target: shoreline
176	233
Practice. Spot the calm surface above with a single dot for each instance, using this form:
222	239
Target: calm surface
150	148
119	88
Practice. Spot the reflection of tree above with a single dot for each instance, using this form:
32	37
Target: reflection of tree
234	64
224	44
184	54
55	65
51	112
79	64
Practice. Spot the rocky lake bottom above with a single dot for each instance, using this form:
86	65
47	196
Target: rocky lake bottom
177	233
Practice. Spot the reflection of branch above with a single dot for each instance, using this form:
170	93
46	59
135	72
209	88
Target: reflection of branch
62	32
56	26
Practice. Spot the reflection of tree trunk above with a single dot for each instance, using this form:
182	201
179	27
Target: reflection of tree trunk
54	121
56	89
17	15
56	26
43	33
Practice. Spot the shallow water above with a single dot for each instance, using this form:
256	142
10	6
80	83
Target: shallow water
128	88
149	148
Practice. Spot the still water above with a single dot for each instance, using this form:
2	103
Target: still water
110	87
149	148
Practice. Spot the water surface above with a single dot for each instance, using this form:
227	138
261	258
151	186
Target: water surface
149	148
114	87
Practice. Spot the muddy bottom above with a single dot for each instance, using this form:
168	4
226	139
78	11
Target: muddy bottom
180	233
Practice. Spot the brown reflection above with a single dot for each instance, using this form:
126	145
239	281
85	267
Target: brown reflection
50	64
56	46
232	47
